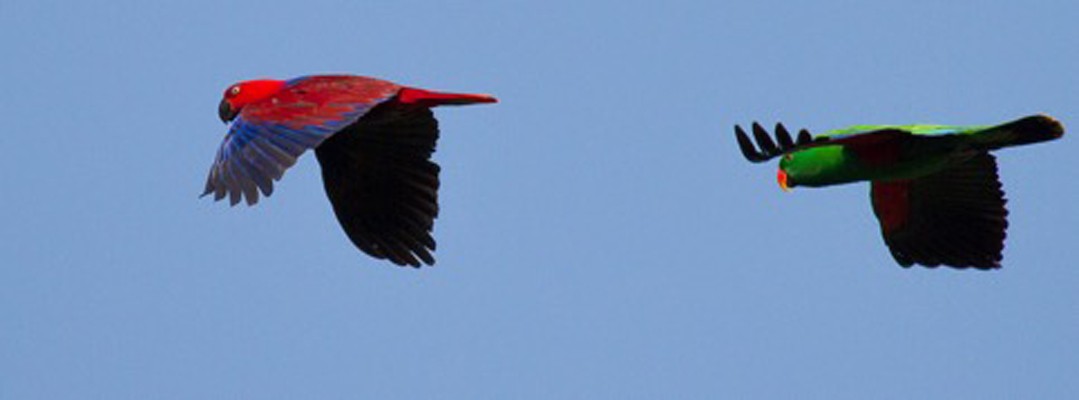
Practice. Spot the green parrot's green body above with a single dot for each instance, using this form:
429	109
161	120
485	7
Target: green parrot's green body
934	189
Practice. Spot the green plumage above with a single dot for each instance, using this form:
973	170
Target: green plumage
889	152
934	187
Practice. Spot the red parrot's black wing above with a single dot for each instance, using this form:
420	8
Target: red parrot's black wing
382	183
955	217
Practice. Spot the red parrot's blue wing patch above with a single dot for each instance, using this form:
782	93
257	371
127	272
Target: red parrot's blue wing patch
269	135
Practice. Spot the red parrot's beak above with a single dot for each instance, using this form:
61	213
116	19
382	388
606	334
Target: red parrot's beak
225	111
782	178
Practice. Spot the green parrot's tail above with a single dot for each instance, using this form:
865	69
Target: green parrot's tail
1032	129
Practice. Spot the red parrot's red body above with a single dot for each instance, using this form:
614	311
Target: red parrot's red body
373	138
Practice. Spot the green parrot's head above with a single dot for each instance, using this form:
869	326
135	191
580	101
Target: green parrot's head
814	166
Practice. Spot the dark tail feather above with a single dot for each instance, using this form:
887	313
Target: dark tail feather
1032	129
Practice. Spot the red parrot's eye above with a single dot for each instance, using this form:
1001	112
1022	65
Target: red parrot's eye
235	90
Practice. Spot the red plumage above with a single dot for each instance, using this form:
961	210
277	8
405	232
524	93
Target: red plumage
318	99
373	138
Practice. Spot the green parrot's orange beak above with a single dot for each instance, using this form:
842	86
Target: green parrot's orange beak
782	178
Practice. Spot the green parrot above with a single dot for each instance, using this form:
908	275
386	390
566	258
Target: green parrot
934	188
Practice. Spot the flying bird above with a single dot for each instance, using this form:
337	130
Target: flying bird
934	188
373	139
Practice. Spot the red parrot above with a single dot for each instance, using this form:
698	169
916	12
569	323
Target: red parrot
373	140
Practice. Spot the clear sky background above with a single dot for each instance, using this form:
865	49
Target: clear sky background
600	235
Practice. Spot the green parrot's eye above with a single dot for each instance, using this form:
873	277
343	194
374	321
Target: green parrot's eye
788	157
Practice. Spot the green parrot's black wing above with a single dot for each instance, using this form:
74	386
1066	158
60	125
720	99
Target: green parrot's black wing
955	217
768	148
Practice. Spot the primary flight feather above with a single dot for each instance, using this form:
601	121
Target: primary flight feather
934	188
373	139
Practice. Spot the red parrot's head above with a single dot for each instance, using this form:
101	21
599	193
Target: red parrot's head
241	94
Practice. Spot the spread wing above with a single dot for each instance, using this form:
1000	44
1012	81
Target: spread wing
955	217
768	148
268	136
382	183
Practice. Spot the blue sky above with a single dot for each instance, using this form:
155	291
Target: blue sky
600	234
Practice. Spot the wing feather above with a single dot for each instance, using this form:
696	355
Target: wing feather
955	217
269	135
382	183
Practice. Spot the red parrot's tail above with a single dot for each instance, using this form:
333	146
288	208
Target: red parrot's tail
426	98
